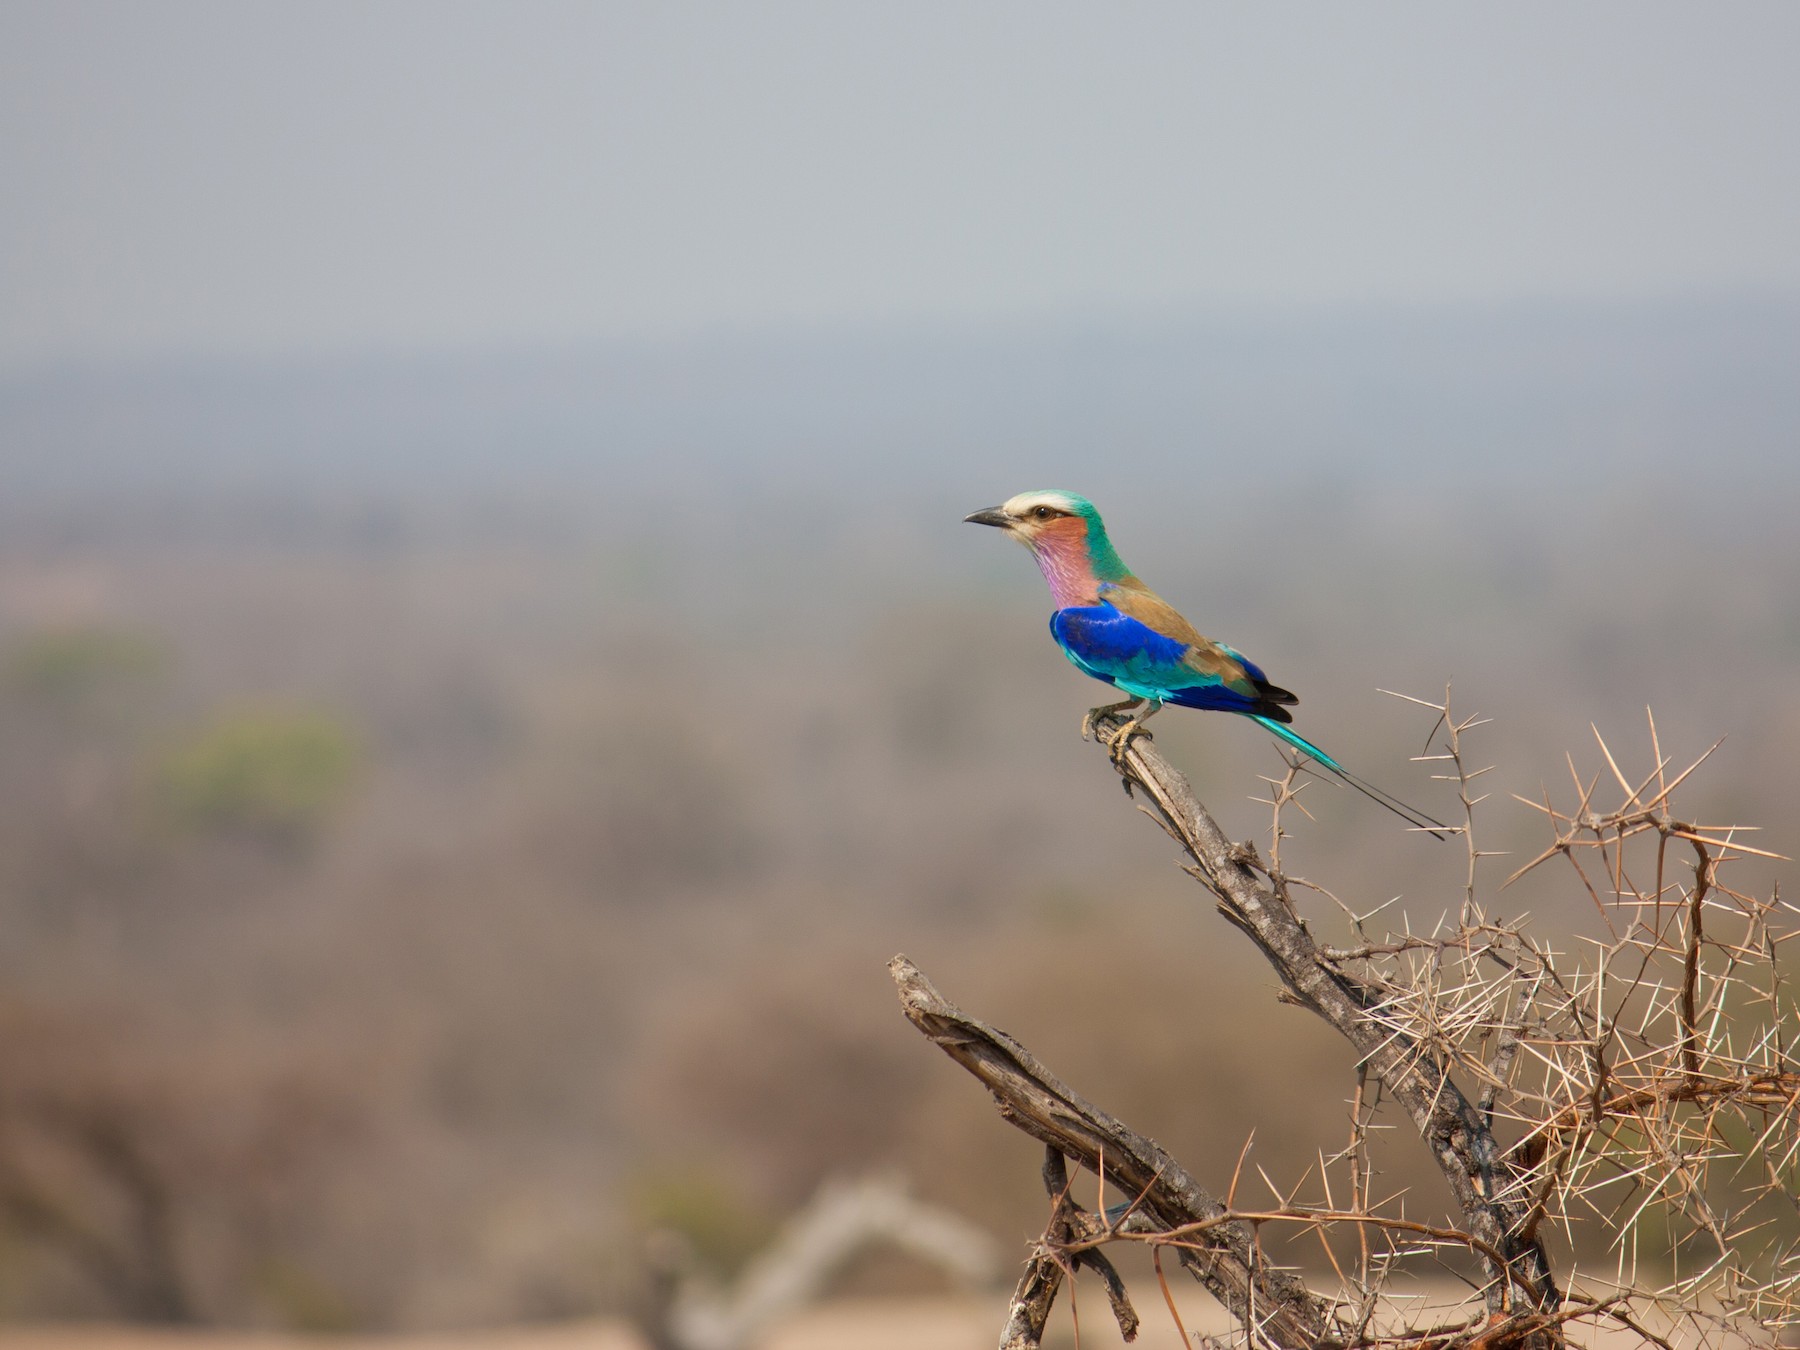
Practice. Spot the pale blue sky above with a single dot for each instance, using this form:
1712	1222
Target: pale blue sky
269	178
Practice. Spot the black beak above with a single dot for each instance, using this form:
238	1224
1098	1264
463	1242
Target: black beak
993	515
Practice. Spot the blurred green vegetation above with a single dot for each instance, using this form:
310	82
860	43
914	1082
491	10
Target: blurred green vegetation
71	665
277	771
302	1300
722	1225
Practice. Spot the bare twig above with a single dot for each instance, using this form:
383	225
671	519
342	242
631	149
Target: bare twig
1650	1091
1032	1098
1460	1141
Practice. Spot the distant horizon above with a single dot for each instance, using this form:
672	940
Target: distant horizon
1139	319
1347	394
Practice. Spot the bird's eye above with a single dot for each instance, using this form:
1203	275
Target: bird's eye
1042	513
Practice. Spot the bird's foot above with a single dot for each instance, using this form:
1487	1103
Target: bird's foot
1120	740
1090	725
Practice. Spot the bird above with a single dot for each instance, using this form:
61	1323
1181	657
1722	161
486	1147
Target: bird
1116	629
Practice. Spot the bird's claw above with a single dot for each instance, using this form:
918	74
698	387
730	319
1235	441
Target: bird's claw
1120	741
1090	724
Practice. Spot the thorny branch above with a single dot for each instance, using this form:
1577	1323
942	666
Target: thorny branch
1651	1093
1410	1068
1222	1257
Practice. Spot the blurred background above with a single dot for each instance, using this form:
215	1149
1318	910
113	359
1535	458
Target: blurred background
491	666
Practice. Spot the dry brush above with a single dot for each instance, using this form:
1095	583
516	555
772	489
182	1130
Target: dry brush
1642	1099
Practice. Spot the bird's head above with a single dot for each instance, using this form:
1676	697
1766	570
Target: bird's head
1065	535
1037	519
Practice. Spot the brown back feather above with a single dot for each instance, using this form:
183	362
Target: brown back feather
1204	656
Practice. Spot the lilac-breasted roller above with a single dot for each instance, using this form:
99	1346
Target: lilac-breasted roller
1118	630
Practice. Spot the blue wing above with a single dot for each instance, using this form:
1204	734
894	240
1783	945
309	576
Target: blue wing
1123	651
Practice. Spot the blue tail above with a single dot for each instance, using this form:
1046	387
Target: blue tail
1412	816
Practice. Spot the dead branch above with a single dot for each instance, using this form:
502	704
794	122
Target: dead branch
843	1219
1652	1092
1255	900
1065	1247
1222	1257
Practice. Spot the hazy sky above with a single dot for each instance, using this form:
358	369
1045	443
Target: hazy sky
270	177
